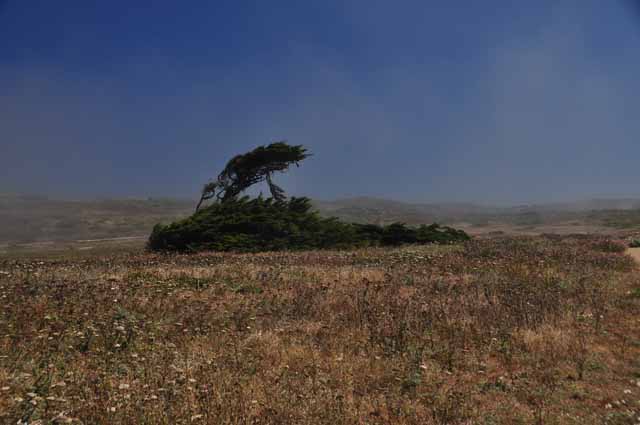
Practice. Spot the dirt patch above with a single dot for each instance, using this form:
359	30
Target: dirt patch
635	253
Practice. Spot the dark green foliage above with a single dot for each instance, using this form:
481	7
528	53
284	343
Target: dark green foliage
399	234
243	171
233	224
252	225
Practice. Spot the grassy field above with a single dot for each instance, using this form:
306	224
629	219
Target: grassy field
501	331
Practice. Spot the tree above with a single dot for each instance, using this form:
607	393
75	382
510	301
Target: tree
258	165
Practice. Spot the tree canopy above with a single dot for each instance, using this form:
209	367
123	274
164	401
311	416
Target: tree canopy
258	165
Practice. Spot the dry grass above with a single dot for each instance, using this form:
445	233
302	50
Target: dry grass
506	331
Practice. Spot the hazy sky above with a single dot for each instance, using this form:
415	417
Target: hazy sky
490	101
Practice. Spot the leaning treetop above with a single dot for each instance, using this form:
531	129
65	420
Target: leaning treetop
258	165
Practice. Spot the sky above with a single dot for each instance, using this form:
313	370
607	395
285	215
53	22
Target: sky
429	100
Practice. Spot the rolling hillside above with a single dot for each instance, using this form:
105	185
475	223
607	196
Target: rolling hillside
26	219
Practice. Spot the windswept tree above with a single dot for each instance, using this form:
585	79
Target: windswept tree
241	224
256	166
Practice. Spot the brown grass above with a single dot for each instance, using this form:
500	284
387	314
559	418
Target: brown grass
505	331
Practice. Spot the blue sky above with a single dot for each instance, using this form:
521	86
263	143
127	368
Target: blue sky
497	101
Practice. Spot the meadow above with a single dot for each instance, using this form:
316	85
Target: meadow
509	330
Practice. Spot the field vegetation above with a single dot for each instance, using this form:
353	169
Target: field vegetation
259	224
542	330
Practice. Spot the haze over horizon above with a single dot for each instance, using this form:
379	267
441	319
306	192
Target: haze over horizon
416	100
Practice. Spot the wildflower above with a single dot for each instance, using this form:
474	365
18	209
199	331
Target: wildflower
62	418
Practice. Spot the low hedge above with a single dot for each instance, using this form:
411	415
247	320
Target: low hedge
259	224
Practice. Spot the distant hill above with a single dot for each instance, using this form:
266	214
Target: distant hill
381	211
595	215
36	218
33	218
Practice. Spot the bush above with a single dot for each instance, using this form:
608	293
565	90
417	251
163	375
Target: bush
252	225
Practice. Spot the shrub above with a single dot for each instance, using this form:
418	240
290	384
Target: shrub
252	225
635	243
